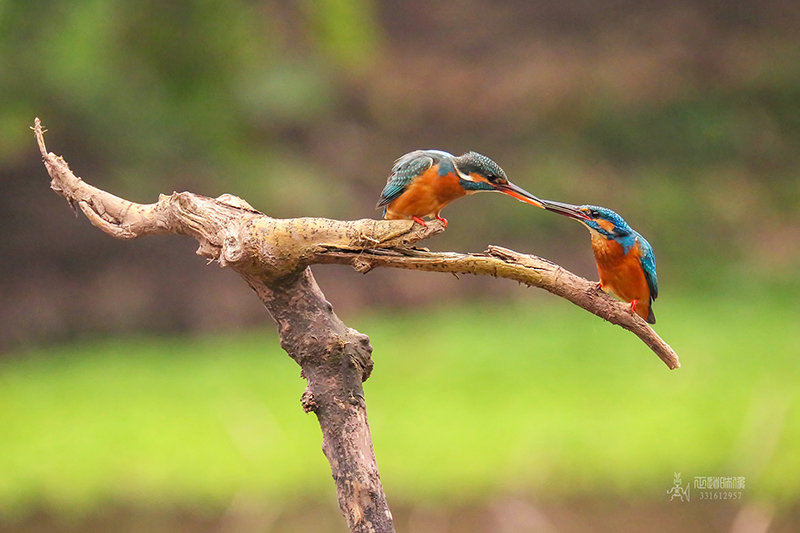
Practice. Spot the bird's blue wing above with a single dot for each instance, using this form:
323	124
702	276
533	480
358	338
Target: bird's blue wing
648	260
403	173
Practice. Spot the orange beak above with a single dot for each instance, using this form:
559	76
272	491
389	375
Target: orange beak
519	193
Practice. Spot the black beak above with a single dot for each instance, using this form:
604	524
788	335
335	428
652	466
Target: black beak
568	210
519	193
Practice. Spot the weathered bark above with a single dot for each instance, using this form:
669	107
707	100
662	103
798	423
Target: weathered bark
273	255
504	263
335	360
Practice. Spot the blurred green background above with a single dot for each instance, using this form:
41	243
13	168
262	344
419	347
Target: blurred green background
141	390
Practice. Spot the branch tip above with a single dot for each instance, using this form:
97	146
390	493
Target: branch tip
39	133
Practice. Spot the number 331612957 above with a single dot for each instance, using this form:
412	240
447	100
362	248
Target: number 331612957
720	495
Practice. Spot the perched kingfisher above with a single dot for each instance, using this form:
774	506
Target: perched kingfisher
423	182
625	260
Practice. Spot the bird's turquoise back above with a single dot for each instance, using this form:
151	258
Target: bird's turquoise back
410	166
648	261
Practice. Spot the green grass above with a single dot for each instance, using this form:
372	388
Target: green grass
465	402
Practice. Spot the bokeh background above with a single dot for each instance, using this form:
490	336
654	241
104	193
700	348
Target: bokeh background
143	390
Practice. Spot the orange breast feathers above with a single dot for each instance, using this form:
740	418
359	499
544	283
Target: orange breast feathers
426	195
620	273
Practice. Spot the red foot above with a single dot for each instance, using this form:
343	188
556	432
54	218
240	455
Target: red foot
419	221
633	305
442	220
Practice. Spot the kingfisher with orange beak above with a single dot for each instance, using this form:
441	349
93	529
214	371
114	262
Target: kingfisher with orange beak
625	260
423	182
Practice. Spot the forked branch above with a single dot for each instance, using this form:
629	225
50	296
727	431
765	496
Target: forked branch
231	232
273	255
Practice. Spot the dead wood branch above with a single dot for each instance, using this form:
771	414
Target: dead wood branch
273	255
504	263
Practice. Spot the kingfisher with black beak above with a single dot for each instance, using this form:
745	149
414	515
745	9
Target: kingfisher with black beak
423	182
625	260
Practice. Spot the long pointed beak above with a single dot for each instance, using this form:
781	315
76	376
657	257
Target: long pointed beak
569	210
520	194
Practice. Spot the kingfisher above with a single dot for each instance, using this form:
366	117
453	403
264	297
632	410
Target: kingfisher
625	260
423	182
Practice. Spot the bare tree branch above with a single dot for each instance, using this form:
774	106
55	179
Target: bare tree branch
504	263
273	255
